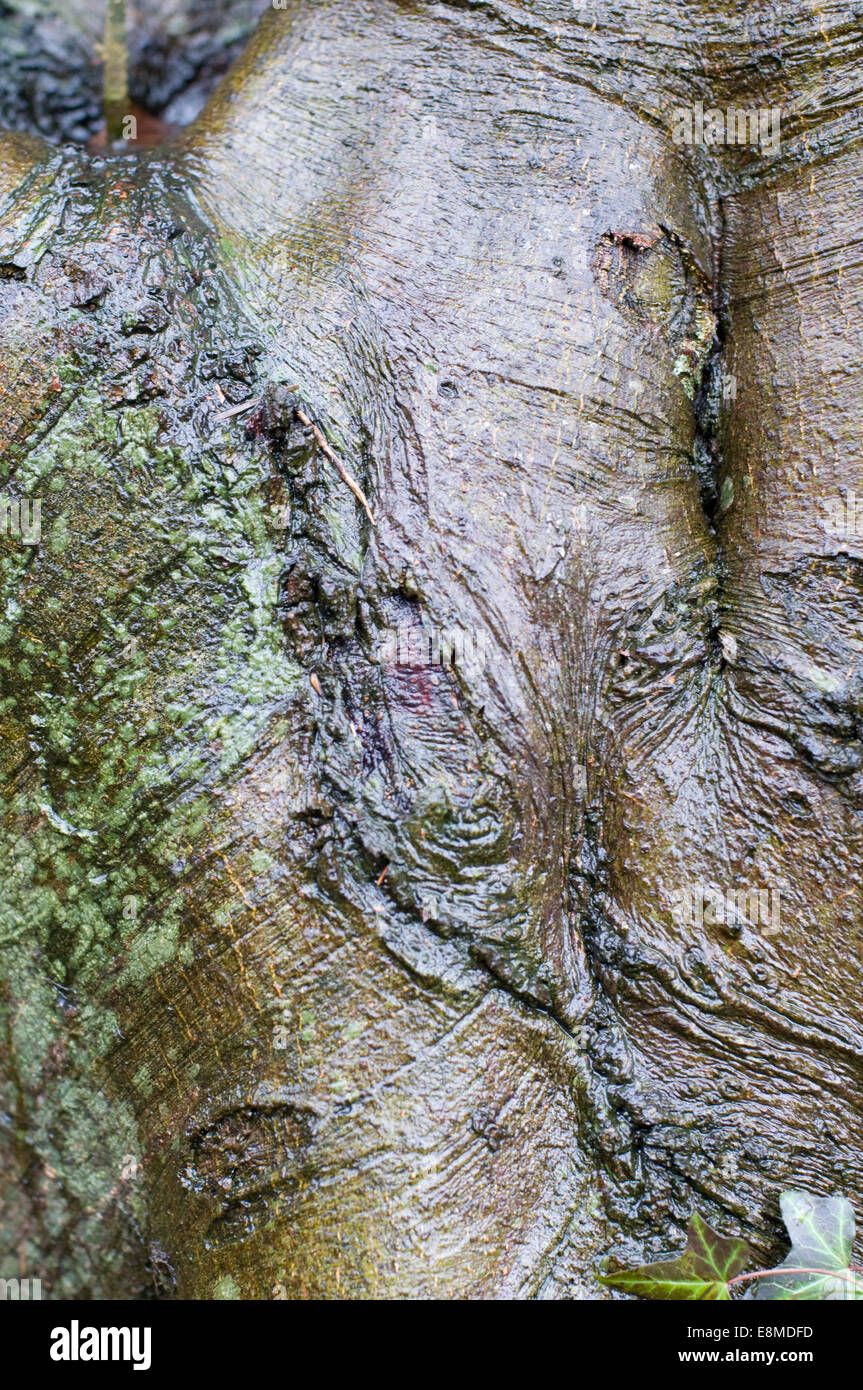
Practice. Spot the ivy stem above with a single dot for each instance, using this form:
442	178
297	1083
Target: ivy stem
785	1269
116	68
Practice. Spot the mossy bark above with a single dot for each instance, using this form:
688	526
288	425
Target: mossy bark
326	976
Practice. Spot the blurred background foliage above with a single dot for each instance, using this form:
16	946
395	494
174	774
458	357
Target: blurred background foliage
51	67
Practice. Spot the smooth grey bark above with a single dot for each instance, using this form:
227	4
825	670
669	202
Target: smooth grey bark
405	1006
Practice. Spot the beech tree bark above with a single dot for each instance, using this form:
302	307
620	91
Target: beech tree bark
330	976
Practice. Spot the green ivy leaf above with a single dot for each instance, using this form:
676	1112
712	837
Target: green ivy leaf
701	1272
822	1235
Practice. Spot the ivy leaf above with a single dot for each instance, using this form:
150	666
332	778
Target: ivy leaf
701	1272
822	1234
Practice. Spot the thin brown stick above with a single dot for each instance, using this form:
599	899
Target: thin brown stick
334	459
238	409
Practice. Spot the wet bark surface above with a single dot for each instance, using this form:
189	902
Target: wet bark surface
331	975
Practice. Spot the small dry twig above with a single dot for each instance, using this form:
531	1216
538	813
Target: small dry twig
238	409
334	459
320	438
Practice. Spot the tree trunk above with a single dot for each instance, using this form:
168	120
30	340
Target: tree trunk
360	883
